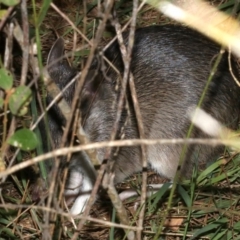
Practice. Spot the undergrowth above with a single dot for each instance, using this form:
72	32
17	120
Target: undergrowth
204	207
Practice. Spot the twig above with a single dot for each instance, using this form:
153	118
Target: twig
71	23
120	209
118	143
67	215
109	5
4	19
139	122
25	48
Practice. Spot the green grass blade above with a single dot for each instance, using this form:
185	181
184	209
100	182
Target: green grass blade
43	12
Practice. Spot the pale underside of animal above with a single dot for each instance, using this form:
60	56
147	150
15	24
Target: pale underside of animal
170	65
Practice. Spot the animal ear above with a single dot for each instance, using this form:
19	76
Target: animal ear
56	53
58	67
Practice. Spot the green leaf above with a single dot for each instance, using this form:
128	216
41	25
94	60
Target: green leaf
204	230
2	14
7	232
24	139
236	226
10	2
219	235
209	170
185	196
222	176
230	236
20	100
198	214
210	227
82	53
158	195
6	79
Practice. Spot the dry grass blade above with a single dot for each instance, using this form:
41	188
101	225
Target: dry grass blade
204	207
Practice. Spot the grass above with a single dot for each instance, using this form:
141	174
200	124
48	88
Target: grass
204	207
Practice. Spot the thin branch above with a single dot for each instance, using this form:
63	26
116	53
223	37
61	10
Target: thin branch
118	143
25	49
